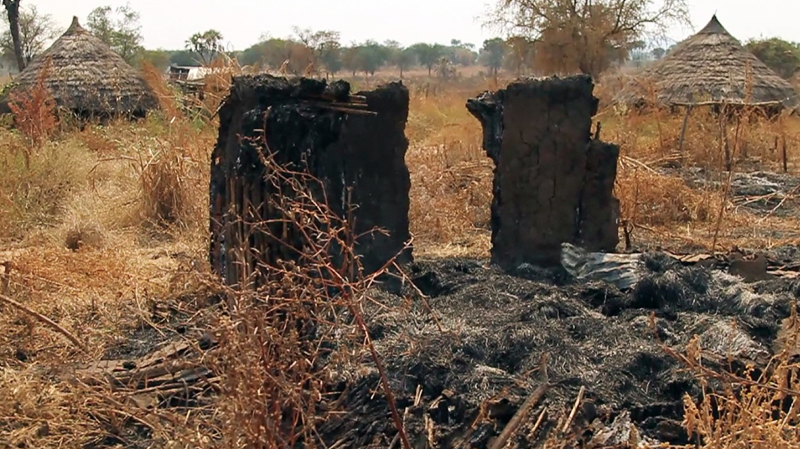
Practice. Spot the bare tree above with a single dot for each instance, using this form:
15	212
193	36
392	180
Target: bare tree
12	10
35	31
586	35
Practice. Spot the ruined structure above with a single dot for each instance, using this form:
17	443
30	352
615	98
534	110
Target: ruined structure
552	180
273	134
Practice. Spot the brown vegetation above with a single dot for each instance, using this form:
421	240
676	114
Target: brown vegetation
105	227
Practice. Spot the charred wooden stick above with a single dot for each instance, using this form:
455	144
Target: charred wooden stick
347	108
538	422
187	377
397	435
176	385
351	98
574	409
519	417
52	324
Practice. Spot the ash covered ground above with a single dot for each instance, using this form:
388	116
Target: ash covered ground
497	326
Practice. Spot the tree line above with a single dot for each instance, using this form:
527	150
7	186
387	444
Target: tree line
543	37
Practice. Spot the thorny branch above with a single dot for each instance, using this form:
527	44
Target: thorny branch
293	322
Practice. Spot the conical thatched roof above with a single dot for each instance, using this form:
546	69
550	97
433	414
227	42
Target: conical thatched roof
710	67
86	76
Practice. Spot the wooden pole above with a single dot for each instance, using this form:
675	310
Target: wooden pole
723	134
520	416
683	130
785	156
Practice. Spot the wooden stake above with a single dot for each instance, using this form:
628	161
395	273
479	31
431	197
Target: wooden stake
785	156
723	134
538	423
518	417
683	130
5	299
718	224
574	409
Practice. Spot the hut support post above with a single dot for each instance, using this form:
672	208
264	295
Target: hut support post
723	135
784	155
683	130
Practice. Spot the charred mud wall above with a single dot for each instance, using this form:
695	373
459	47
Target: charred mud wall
552	180
353	145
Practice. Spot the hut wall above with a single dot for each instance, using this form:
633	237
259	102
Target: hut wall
552	181
358	157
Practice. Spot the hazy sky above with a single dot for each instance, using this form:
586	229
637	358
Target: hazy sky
168	23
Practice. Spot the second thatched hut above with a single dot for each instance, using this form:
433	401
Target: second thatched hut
709	68
86	77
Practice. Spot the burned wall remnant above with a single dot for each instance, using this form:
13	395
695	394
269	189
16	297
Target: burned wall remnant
553	180
274	130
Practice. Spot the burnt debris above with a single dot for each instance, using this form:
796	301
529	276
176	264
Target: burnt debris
611	342
347	150
552	180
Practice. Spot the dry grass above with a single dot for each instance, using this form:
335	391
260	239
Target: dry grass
662	200
101	224
451	177
751	409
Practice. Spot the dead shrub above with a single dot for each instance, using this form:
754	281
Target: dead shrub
216	84
33	192
34	111
653	199
300	332
97	142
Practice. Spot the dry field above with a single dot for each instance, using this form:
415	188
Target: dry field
105	228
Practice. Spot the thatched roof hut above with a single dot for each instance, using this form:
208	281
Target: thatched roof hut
712	68
86	77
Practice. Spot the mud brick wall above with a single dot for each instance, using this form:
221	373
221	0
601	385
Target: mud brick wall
552	181
354	144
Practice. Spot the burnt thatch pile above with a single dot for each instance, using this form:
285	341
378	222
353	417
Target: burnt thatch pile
461	386
710	67
84	76
553	180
